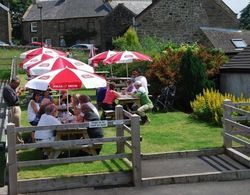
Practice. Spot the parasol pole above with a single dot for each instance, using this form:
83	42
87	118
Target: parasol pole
127	69
111	71
67	102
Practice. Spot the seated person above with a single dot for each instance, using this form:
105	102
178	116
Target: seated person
75	108
84	99
33	109
130	89
46	95
89	115
110	97
100	95
48	118
146	103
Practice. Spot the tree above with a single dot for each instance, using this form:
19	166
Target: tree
245	18
129	41
193	79
17	10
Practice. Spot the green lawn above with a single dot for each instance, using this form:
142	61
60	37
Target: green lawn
172	131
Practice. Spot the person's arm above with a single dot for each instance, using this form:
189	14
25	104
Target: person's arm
118	95
33	105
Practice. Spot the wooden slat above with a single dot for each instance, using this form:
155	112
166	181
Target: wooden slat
236	125
72	160
242	104
65	127
127	114
238	140
128	145
71	143
127	129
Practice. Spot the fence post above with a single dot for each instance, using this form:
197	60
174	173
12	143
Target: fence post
12	159
136	149
227	127
119	129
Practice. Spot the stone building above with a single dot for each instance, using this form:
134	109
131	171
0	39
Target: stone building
120	18
186	21
107	18
5	22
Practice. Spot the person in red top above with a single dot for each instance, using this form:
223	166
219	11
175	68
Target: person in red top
110	96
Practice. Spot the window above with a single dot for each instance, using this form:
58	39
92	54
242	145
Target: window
239	43
33	27
48	42
34	39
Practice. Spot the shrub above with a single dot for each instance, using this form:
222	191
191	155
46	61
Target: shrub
208	105
192	79
129	41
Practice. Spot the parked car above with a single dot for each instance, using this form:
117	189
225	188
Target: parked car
3	44
82	46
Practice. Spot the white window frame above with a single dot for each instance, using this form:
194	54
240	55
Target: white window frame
48	42
34	39
239	43
33	27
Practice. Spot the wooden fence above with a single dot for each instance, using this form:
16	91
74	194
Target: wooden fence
132	142
236	129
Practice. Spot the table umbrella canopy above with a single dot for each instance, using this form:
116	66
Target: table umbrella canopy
35	60
34	52
126	57
58	63
101	56
66	79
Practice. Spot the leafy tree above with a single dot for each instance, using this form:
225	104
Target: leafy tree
245	18
17	10
129	41
192	80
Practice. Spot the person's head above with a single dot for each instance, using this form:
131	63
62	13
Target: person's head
46	93
36	96
112	86
137	84
136	73
74	100
84	99
50	109
14	83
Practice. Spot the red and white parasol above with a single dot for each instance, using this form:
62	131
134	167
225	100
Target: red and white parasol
34	52
127	57
35	60
58	63
66	79
101	56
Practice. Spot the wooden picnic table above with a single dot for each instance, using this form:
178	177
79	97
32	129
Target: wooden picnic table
127	100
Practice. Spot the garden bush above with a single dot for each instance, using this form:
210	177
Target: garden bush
208	105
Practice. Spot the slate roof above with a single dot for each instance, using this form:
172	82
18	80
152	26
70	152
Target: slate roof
136	6
238	63
222	38
63	9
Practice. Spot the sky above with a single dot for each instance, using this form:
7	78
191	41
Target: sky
237	5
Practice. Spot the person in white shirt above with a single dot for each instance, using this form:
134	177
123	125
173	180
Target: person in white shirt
48	118
137	76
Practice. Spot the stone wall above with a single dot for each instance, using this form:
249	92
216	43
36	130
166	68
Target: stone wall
51	29
180	20
4	26
115	23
